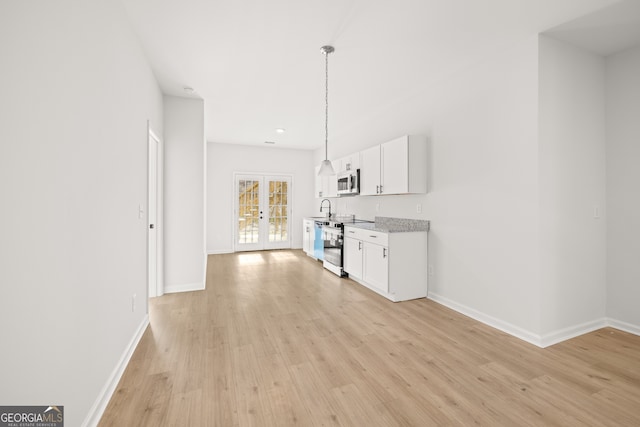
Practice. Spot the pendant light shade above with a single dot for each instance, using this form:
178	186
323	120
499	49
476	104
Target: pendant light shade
326	168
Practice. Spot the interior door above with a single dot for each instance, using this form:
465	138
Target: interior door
262	212
152	216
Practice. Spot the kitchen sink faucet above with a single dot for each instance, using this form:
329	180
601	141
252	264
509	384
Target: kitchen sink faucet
322	206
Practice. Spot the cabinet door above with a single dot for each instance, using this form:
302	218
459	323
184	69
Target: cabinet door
326	186
307	237
375	267
318	183
350	162
370	171
331	185
395	166
353	257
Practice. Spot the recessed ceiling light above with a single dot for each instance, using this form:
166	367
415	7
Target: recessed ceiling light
280	130
188	89
269	142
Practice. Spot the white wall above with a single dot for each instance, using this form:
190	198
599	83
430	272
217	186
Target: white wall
623	178
76	96
225	159
483	200
484	191
572	188
184	194
525	154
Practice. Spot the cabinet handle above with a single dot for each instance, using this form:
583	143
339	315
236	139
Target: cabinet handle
377	189
359	246
375	237
352	232
384	252
381	189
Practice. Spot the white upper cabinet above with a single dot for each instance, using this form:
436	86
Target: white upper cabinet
395	167
326	186
348	163
331	185
370	171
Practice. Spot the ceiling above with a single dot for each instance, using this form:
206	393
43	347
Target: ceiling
257	64
604	32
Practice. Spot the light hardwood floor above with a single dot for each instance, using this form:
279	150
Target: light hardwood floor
275	340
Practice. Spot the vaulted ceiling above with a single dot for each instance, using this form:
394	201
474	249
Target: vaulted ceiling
257	64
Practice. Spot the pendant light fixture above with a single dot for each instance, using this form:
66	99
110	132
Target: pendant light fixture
326	168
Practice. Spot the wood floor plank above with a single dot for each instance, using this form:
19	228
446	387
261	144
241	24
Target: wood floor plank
276	340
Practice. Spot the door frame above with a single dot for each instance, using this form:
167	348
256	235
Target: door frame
154	264
234	209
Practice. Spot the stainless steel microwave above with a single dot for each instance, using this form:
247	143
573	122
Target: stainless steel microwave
349	182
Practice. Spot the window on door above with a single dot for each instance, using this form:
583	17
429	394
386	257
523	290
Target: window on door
262	210
248	218
278	211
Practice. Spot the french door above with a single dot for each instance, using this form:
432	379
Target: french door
262	212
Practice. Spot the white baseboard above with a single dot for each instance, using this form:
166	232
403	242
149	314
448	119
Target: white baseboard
572	332
537	340
624	326
184	287
507	327
220	252
96	411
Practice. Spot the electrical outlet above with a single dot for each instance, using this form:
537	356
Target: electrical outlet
133	303
596	212
419	208
430	270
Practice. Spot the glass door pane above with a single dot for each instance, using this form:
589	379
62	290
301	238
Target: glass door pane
248	212
278	211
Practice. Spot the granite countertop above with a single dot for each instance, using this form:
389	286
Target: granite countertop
393	225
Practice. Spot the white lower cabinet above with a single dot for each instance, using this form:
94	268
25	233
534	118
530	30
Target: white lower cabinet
375	266
353	257
391	264
308	236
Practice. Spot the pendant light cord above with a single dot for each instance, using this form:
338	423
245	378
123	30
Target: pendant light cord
326	108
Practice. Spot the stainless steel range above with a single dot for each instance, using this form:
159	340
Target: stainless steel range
333	236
